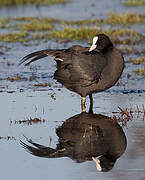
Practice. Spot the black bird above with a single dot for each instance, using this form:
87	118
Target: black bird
85	70
84	137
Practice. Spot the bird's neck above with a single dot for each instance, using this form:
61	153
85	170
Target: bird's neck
107	48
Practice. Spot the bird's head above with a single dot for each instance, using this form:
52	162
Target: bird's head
100	43
104	164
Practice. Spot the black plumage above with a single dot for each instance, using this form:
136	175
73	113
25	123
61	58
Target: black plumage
83	70
82	137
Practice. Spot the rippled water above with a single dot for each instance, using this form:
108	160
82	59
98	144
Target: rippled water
57	108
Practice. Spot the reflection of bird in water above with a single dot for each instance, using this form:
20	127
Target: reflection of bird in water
83	137
83	70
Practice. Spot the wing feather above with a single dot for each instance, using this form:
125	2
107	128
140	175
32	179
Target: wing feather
40	54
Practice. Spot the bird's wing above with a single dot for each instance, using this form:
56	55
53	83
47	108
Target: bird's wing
43	151
88	68
41	54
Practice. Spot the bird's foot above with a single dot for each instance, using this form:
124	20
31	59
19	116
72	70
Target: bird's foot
83	100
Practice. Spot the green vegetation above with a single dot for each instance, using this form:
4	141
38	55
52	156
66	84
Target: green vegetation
125	19
134	2
118	36
129	36
14	37
33	19
140	60
140	71
35	25
126	36
25	2
82	22
26	29
44	24
4	23
43	84
53	95
28	23
19	78
113	19
28	121
73	34
131	50
15	78
31	78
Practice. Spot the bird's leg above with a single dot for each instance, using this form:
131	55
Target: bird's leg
91	103
91	99
83	100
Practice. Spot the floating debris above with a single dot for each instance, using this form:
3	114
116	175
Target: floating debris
53	95
50	140
16	78
43	84
2	52
31	78
128	114
29	121
8	138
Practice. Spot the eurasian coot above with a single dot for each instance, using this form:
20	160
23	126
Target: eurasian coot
83	137
85	70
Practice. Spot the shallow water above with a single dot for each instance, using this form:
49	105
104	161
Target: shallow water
76	9
21	100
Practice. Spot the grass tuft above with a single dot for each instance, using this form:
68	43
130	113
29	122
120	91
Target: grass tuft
125	19
73	34
43	84
118	36
14	37
140	71
36	25
134	2
35	2
30	28
140	60
81	22
15	78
